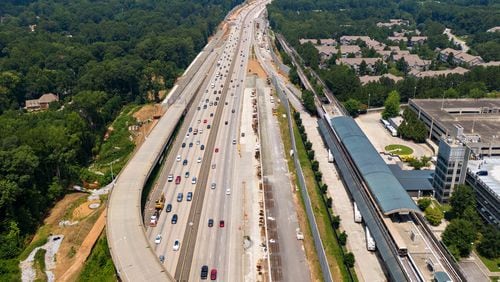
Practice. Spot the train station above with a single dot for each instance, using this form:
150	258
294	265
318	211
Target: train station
405	244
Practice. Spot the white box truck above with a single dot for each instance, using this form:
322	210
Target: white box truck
370	242
357	215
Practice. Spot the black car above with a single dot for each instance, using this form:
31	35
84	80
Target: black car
190	144
183	145
174	219
204	272
202	147
168	208
210	222
185	162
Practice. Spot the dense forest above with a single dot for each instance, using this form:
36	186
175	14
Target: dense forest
97	56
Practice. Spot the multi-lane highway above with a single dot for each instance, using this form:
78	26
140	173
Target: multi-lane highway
203	162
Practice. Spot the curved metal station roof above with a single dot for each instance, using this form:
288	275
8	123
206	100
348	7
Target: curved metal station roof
390	196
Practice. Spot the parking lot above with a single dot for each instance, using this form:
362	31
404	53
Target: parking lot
381	137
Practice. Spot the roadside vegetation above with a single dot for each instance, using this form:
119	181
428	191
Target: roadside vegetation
99	266
310	250
340	261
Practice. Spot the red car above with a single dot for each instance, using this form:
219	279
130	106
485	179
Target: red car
178	180
216	150
221	223
213	274
205	121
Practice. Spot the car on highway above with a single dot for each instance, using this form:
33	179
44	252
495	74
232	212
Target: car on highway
189	196
210	222
202	147
190	129
190	144
178	158
178	180
162	258
221	223
185	162
158	239
205	121
204	272
183	145
213	166
234	141
213	274
193	180
211	114
170	178
216	150
208	126
197	142
213	185
228	191
199	160
177	245
179	197
225	122
174	219
168	208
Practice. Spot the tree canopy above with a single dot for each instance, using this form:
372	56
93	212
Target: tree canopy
97	56
391	105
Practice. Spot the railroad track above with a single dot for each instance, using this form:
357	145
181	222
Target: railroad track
445	258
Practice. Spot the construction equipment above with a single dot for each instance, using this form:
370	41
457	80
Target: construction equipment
160	203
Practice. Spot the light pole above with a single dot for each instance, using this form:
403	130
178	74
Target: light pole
369	95
414	91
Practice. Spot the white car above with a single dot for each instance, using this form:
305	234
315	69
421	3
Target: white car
199	159
158	239
228	191
213	185
193	181
177	245
178	158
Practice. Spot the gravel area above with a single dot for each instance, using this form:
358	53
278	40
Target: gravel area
28	273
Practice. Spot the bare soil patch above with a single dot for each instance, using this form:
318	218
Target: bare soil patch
254	67
147	114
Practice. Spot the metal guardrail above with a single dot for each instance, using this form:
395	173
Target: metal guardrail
325	269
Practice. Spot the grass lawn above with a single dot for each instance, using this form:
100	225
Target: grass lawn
492	265
400	150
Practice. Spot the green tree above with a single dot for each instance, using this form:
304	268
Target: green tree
308	101
343	238
434	215
489	246
363	68
349	260
352	106
423	203
462	197
461	234
391	105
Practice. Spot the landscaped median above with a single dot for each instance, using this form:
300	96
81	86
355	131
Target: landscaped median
322	213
